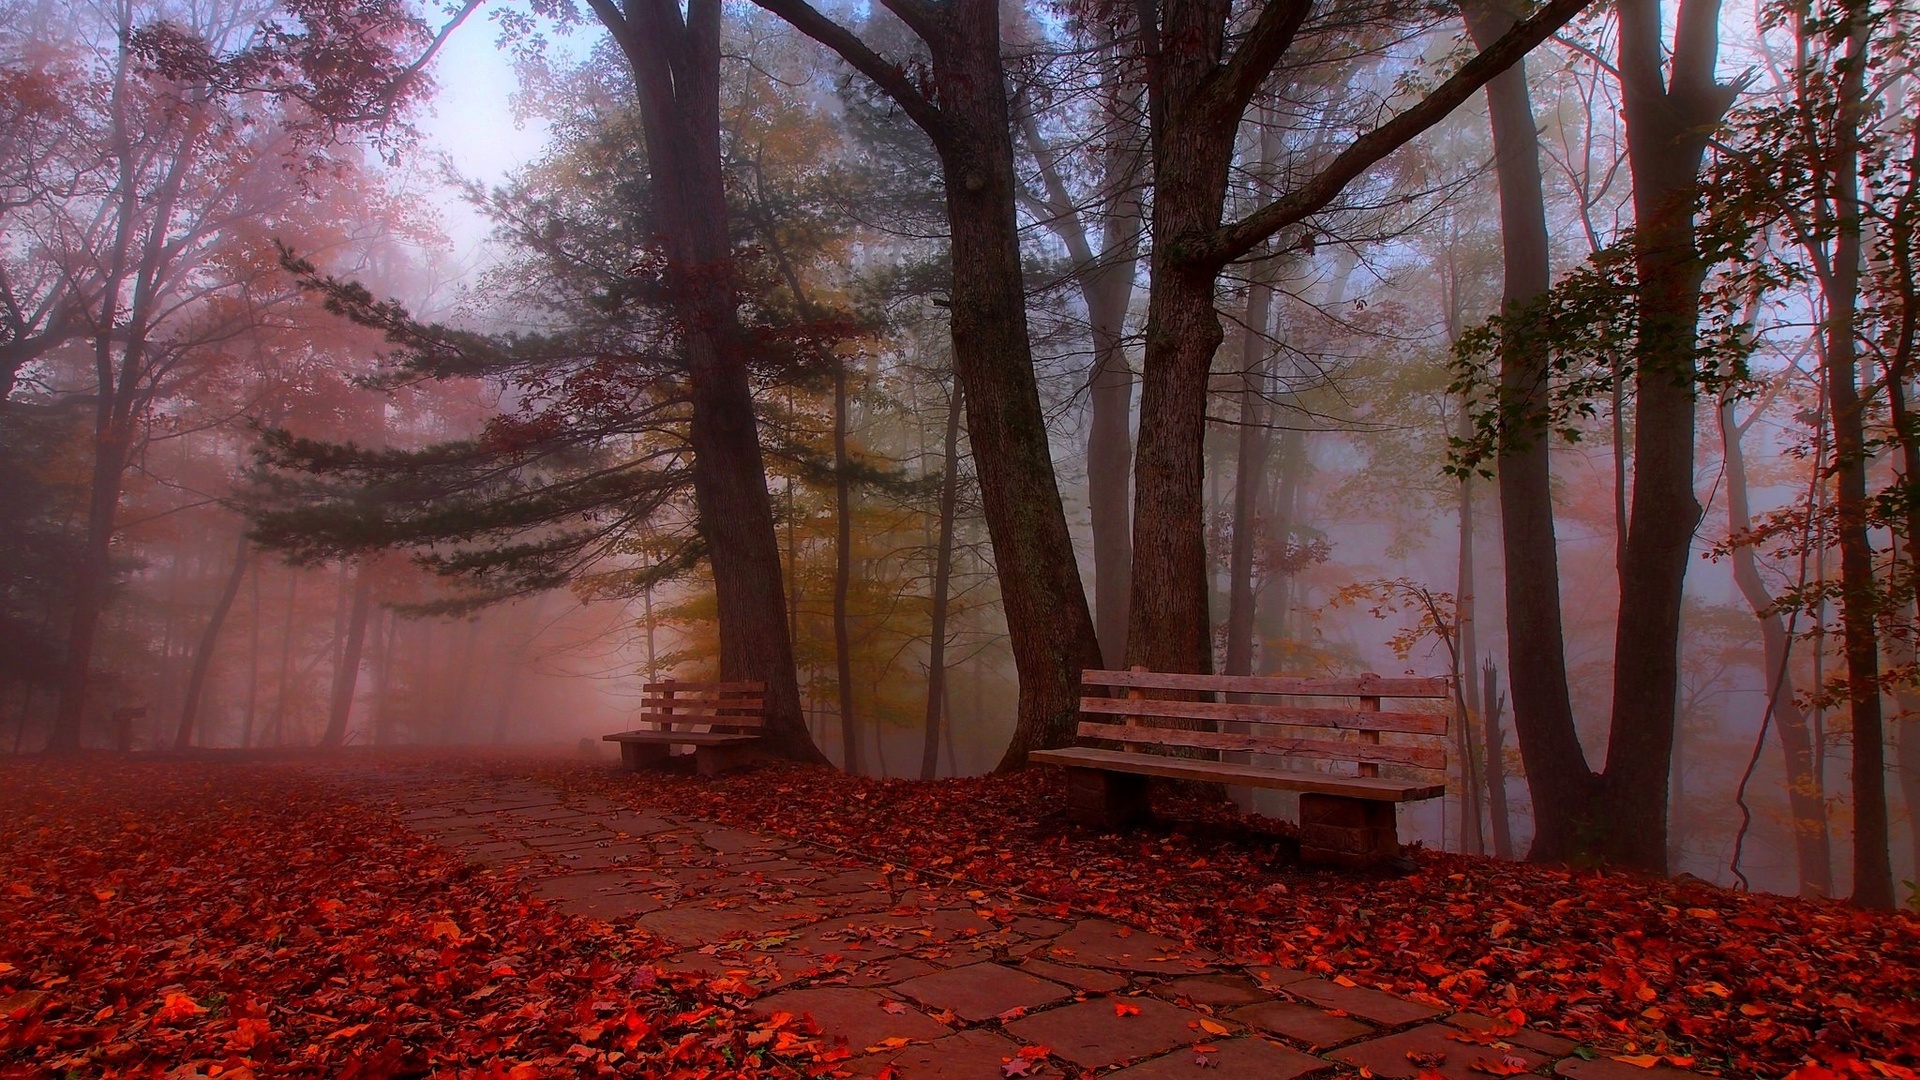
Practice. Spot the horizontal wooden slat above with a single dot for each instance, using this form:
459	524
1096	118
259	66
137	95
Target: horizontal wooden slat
680	738
682	720
1223	772
1407	723
1349	686
706	687
1424	757
694	704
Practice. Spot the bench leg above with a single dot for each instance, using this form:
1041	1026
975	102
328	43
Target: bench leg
1339	831
638	756
714	760
1107	800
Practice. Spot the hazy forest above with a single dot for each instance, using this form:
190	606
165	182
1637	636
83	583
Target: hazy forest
384	373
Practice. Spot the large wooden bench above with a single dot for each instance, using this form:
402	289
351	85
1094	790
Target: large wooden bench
722	722
1346	817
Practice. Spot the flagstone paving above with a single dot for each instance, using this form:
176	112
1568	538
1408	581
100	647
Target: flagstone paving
954	982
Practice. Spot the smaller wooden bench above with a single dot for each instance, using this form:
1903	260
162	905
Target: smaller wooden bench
722	721
1344	819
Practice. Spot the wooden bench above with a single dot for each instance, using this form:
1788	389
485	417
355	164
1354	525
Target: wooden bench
1344	819
722	721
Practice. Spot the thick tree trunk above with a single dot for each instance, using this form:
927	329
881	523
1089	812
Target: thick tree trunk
675	62
1169	627
1048	622
346	672
203	653
965	113
1562	784
1806	798
942	581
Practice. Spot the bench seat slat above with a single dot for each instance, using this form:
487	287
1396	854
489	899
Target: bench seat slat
681	738
1423	757
1407	723
1356	686
1373	789
692	705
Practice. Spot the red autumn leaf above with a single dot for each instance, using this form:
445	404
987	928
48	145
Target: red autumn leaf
1125	1008
1505	1065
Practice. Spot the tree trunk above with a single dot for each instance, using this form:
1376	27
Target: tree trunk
1557	772
843	571
675	63
203	654
346	672
1491	706
942	583
1248	469
1049	625
91	582
286	660
1806	798
1472	839
253	662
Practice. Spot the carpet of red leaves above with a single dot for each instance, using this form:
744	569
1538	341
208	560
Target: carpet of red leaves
1741	984
183	919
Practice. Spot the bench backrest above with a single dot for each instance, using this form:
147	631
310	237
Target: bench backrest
1281	727
721	705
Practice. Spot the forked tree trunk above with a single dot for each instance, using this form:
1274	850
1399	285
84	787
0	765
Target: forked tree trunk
209	637
346	672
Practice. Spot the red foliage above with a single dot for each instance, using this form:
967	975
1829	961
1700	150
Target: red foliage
161	920
1745	984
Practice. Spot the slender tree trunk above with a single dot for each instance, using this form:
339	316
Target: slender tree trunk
203	654
1491	706
1806	798
942	584
1472	839
286	660
346	672
1253	443
384	629
843	571
252	710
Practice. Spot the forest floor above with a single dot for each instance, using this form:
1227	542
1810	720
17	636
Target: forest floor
362	915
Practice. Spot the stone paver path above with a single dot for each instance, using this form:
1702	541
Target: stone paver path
949	981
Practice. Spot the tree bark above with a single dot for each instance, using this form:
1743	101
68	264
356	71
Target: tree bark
203	653
965	113
675	63
346	673
942	582
843	570
1491	706
1197	95
1556	766
1806	799
1250	463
